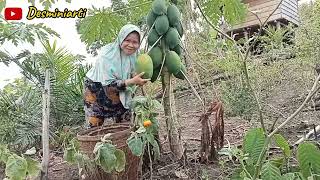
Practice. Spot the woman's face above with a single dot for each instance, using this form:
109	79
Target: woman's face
131	43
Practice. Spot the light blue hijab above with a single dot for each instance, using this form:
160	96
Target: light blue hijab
113	65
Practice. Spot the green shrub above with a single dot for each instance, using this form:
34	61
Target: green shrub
238	99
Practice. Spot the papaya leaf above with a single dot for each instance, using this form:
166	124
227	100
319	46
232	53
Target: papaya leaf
270	172
308	156
212	10
121	160
234	11
97	147
80	158
283	144
136	145
33	167
253	144
16	167
106	157
141	130
139	10
138	101
156	104
46	4
149	137
102	26
20	32
32	2
4	57
2	5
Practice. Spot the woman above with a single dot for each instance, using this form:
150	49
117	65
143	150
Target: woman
107	87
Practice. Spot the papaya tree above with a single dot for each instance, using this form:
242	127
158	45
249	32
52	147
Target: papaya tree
91	31
164	39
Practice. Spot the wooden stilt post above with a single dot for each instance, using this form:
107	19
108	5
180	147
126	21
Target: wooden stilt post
45	125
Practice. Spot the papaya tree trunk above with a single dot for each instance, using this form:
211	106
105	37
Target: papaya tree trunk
171	115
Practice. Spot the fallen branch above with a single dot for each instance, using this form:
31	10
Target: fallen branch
307	136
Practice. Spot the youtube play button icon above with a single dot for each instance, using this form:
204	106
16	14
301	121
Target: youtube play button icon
13	13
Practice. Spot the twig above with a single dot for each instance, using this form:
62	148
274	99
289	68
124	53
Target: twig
143	91
244	59
245	65
313	131
164	92
162	64
187	53
168	165
314	89
275	121
194	91
246	70
150	161
213	26
261	28
145	35
277	111
199	83
274	124
154	43
256	15
170	104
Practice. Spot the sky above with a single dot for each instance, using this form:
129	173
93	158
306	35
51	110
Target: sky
69	37
65	27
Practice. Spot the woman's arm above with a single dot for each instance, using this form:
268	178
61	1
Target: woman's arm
122	84
119	84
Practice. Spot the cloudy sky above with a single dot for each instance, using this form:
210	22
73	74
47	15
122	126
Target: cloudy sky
65	27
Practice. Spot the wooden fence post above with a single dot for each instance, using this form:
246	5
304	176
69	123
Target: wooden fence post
45	125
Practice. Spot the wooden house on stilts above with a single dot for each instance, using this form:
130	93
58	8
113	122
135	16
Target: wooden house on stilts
285	14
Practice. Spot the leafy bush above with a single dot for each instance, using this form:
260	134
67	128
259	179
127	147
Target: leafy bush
238	99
